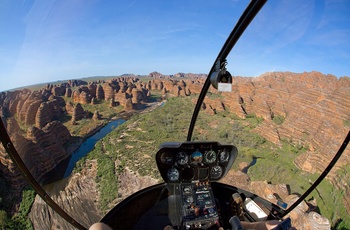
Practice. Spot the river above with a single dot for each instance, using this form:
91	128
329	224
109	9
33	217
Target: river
252	163
89	144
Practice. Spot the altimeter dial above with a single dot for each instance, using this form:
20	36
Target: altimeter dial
210	157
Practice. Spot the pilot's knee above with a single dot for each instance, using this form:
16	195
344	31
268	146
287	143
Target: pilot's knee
100	226
235	223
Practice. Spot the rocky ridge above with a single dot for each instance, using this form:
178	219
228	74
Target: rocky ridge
300	99
313	111
83	187
33	120
76	195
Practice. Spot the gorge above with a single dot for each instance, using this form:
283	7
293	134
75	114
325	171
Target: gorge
89	144
310	111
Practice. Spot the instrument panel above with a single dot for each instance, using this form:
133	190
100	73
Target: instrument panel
188	162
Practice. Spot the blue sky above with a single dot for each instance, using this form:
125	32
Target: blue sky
43	41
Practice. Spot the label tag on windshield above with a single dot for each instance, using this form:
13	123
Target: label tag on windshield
224	87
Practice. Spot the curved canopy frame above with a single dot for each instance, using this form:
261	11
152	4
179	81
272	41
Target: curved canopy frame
244	21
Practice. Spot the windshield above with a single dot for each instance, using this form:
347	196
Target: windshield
89	91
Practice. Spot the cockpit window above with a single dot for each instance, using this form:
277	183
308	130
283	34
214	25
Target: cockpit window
90	92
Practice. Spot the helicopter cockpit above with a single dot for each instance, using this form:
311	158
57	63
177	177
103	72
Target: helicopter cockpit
257	142
190	198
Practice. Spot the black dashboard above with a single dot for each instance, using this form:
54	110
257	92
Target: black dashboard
189	168
194	161
191	198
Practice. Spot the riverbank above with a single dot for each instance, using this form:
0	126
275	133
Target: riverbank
88	141
64	168
89	144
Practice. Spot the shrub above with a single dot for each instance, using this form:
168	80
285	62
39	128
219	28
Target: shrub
278	119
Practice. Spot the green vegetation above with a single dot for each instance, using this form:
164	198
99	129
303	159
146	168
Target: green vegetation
108	180
20	220
146	79
155	96
278	119
346	122
84	126
214	96
134	144
3	219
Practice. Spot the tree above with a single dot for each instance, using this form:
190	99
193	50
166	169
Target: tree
3	219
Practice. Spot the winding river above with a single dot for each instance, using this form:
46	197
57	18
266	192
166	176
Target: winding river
252	163
89	144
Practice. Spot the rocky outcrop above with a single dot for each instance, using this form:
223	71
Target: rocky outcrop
96	115
277	95
77	197
13	178
78	112
60	131
128	104
12	107
130	182
76	95
26	111
68	92
70	108
47	112
44	115
40	152
100	93
92	89
85	98
82	95
44	147
58	90
155	75
309	110
108	90
304	219
137	96
123	87
112	103
93	101
121	97
312	111
75	83
12	126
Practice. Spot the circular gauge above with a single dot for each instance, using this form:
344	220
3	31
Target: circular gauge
167	158
223	156
216	172
182	158
196	157
210	156
173	174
